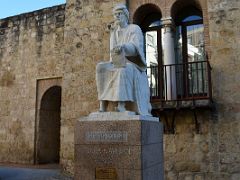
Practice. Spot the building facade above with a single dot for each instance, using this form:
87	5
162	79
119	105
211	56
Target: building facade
47	81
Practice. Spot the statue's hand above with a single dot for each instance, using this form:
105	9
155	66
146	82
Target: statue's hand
117	49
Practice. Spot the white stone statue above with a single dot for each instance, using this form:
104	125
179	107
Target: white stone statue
123	79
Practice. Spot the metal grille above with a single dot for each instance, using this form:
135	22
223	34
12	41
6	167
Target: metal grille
180	82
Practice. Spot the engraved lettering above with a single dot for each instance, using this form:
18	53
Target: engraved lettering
106	136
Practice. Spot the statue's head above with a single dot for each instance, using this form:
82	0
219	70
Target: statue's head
121	14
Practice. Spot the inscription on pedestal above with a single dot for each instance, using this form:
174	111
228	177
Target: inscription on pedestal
114	150
106	136
106	155
107	173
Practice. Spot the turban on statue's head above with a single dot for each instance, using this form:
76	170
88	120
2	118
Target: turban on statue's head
123	8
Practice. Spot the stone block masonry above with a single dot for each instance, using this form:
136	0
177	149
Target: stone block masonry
69	40
118	146
31	48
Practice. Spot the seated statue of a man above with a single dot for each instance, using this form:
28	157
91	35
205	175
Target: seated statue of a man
123	79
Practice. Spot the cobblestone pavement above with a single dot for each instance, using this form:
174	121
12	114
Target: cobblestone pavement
26	173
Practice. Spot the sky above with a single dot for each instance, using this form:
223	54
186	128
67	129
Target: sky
15	7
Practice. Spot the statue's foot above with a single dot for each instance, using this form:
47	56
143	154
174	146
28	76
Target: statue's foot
102	107
121	107
101	110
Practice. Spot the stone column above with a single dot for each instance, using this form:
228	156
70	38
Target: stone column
169	59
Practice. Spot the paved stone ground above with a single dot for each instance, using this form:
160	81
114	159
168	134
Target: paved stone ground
32	173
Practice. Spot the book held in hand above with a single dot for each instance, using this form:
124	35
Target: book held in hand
118	60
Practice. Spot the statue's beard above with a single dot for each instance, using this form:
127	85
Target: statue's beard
119	23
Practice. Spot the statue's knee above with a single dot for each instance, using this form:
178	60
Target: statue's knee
100	67
103	66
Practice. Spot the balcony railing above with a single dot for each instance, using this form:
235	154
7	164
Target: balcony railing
178	83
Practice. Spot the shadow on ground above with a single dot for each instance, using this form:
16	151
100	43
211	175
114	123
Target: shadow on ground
20	173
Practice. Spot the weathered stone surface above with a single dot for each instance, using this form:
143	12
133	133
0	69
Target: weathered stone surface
31	48
43	45
121	145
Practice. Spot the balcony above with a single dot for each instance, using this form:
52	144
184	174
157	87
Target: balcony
177	86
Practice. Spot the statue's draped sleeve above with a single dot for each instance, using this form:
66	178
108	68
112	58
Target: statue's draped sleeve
132	35
136	38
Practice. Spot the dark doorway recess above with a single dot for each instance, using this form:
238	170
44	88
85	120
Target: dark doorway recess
48	138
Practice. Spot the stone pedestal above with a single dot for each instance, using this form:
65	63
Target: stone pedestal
118	146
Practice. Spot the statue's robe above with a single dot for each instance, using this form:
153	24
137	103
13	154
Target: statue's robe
129	83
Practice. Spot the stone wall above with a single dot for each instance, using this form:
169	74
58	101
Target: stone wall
224	23
86	43
188	155
211	154
31	48
38	45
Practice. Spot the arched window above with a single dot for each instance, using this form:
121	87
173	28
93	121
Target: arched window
175	53
190	52
153	49
190	39
148	17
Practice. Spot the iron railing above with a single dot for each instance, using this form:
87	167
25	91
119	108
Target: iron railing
180	82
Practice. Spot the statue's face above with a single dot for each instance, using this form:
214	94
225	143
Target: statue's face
119	17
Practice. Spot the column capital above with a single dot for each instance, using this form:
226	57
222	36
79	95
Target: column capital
168	23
